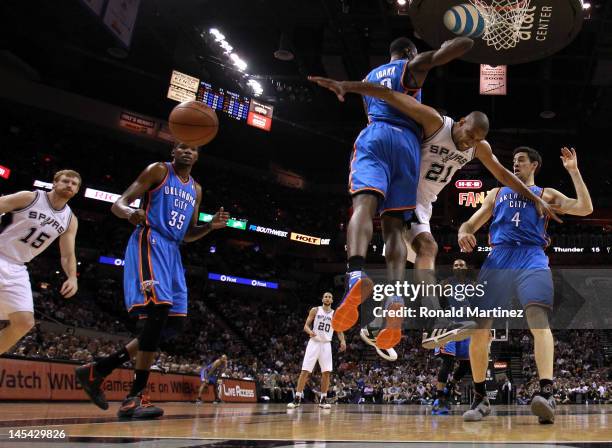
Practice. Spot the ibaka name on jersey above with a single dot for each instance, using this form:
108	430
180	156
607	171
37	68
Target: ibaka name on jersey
46	221
385	73
183	198
448	154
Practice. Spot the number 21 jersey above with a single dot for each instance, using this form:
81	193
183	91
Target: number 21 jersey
27	232
170	206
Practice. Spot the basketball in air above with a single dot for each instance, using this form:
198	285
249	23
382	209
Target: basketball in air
464	20
193	123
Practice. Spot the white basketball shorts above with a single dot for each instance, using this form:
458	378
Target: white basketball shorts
15	289
318	352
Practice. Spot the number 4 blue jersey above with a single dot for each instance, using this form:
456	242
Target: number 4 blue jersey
516	221
391	75
170	206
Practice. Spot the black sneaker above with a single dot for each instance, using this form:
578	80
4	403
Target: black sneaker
139	407
91	381
443	331
544	408
296	403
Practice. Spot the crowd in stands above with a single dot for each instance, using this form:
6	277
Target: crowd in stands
263	338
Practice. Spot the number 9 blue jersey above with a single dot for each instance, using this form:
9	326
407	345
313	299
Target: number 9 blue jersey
516	221
391	75
170	206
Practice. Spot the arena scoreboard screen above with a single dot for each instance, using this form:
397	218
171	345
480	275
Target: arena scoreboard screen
238	107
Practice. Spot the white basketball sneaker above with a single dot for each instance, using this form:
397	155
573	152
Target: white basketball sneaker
323	404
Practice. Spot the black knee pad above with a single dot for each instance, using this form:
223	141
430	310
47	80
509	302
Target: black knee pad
174	327
154	325
446	369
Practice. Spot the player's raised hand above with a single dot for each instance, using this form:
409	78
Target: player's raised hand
545	209
219	220
138	217
569	159
69	288
331	84
467	241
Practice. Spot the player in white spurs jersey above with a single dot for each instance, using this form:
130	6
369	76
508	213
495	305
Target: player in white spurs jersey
31	221
447	146
318	350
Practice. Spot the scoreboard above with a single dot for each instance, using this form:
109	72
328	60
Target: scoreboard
241	108
212	98
236	106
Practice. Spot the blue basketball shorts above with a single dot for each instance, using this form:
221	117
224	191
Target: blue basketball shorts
458	349
154	273
515	271
204	378
386	159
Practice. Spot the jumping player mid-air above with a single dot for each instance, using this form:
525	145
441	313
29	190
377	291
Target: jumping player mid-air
153	277
384	173
318	350
31	221
458	351
447	146
518	267
209	375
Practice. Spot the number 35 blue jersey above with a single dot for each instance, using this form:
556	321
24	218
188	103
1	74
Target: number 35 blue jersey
391	75
516	221
170	206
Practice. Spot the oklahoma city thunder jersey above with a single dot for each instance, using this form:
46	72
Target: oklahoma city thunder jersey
391	75
516	221
170	206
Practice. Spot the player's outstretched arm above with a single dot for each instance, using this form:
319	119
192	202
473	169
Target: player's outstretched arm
488	159
195	232
582	204
466	236
308	323
450	50
16	201
68	259
152	176
426	116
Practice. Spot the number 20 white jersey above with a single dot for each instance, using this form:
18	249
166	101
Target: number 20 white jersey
322	325
440	160
27	232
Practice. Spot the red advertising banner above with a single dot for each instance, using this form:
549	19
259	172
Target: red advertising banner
259	121
137	123
238	391
41	380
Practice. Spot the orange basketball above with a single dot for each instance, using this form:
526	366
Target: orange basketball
193	123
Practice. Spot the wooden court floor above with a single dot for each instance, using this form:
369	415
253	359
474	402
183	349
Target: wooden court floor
260	425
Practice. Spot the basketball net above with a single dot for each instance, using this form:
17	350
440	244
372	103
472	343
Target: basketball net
503	21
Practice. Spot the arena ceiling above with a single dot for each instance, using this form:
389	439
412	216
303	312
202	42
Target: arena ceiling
62	44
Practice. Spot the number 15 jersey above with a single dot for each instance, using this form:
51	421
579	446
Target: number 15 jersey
170	206
27	232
